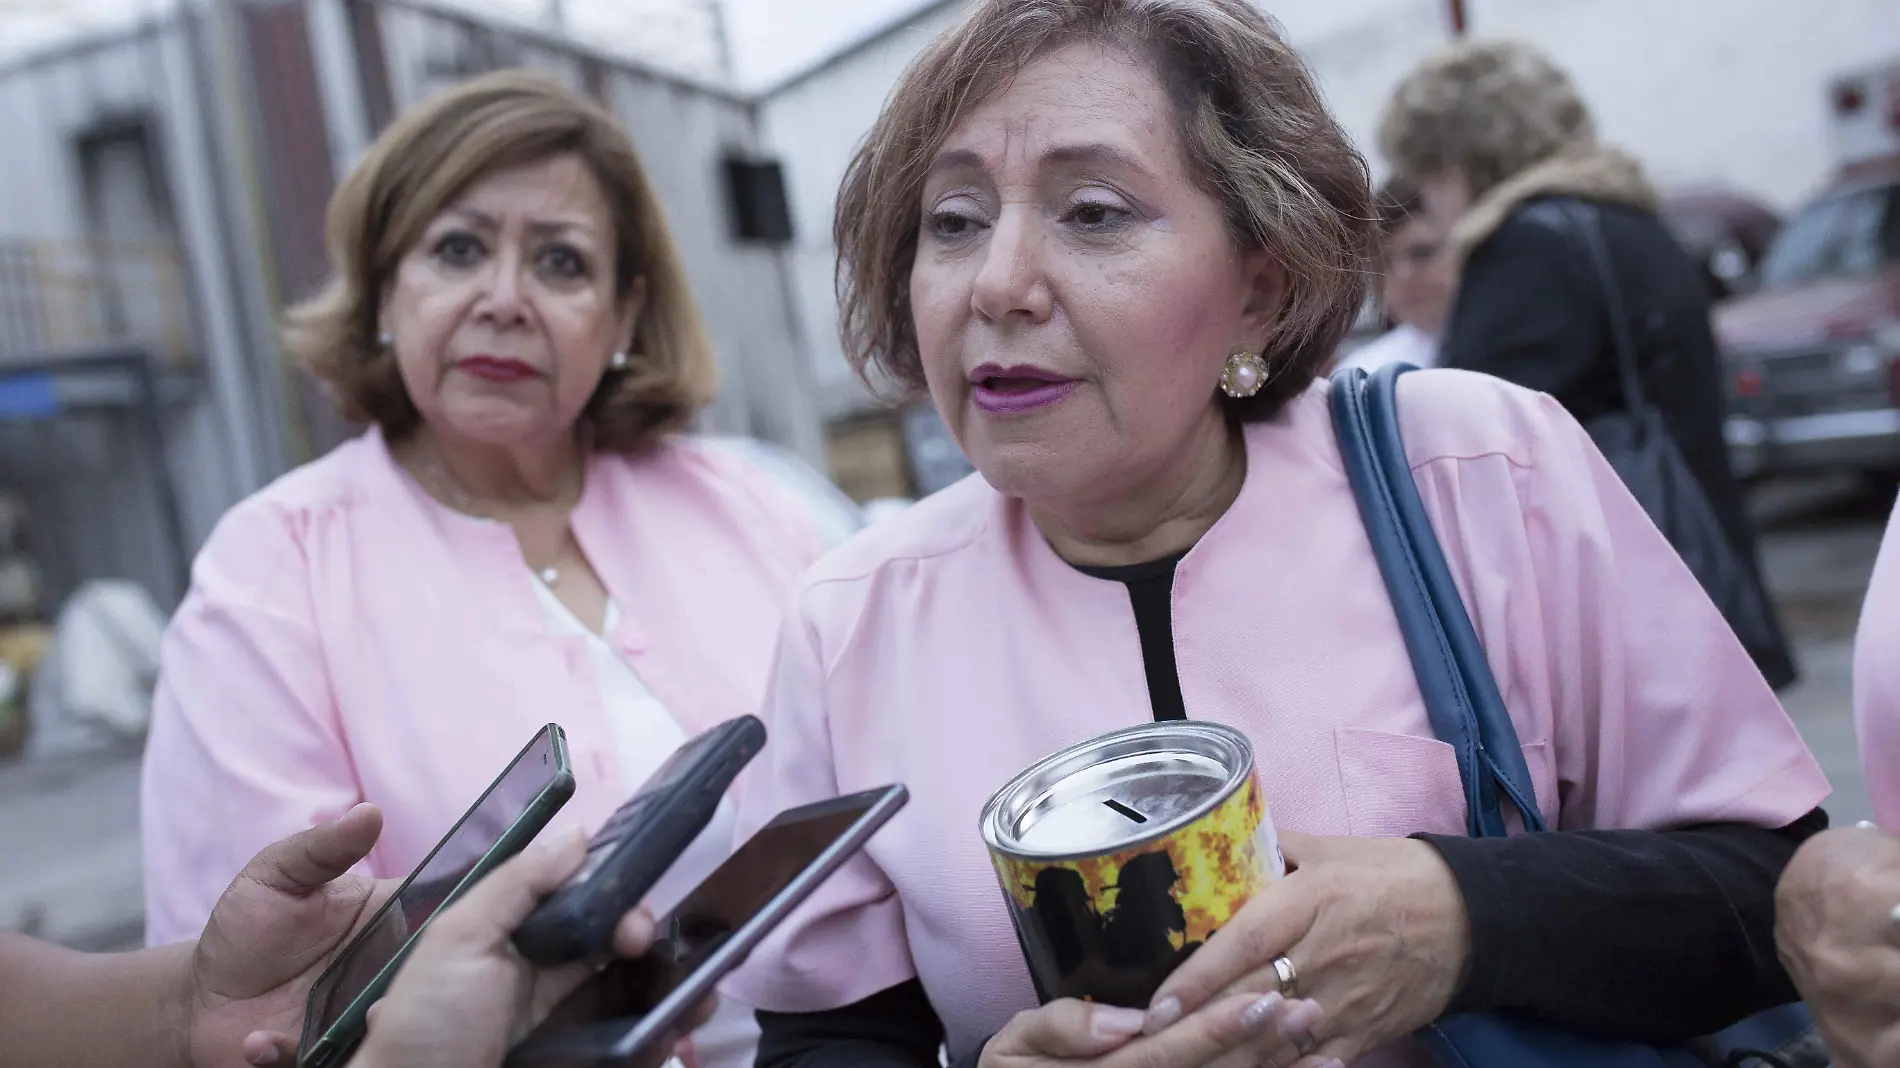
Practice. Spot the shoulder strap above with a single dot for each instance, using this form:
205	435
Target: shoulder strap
1583	223
1461	695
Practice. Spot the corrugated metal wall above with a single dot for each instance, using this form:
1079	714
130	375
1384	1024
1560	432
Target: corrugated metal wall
87	475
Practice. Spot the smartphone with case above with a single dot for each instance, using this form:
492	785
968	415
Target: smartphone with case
634	848
507	816
629	1005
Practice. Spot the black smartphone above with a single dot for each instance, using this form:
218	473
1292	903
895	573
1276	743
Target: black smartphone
636	846
514	808
630	1004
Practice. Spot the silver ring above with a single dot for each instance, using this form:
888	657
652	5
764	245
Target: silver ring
1289	978
1305	1042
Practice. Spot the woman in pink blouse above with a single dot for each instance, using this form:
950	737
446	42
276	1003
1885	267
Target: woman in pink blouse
519	538
1838	920
1113	240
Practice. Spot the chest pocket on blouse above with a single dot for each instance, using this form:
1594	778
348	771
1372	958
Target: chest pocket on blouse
1399	784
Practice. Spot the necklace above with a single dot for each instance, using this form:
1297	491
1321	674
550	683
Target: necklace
461	502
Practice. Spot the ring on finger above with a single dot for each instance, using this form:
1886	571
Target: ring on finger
1289	977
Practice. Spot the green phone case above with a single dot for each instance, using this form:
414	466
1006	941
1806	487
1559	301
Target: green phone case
341	1039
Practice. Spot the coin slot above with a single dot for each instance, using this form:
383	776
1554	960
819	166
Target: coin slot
1125	810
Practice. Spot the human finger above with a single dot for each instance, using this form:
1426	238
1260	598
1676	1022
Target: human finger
634	934
1201	1038
501	901
307	861
269	1047
1257	935
1070	1030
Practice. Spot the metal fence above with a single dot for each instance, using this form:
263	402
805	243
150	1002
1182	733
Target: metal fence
67	295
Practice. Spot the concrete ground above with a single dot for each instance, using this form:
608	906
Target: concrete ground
69	828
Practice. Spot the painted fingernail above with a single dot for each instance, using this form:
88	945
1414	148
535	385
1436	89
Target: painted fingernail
1332	1062
1161	1014
1867	825
264	1056
1108	1021
1261	1012
1300	1019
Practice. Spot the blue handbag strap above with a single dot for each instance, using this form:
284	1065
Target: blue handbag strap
1454	678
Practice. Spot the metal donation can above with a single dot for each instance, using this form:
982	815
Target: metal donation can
1121	855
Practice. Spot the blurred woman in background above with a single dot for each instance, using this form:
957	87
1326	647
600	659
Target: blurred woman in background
1490	130
520	536
1415	283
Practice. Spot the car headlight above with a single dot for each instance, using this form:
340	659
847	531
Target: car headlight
1867	358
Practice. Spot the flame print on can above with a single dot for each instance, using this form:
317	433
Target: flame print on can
1110	928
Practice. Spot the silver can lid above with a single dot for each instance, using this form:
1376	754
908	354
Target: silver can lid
1116	791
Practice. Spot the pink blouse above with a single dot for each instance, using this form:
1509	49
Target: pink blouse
949	647
346	638
1877	681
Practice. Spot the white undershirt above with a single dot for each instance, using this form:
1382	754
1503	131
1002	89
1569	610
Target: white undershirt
1401	344
645	734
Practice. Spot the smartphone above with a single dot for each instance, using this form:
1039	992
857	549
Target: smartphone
636	846
630	1004
514	808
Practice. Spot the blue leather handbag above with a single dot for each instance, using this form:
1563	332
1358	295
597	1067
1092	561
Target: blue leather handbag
1467	711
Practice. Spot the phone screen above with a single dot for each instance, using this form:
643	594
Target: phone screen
432	883
731	896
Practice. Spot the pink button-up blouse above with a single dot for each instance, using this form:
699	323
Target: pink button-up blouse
346	638
1877	681
949	647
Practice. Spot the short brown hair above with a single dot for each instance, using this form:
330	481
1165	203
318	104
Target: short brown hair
1485	109
1255	130
415	169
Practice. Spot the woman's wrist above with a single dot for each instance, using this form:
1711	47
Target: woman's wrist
1483	893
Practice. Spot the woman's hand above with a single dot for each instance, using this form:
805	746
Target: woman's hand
1838	934
1377	934
1069	1033
465	996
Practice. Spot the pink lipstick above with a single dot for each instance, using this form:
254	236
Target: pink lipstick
497	368
1012	390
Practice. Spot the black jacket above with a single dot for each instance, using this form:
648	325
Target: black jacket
1530	311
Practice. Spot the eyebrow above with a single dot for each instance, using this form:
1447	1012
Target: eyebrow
539	226
1092	153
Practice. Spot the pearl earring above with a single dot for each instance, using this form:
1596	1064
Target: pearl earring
619	361
385	339
1243	374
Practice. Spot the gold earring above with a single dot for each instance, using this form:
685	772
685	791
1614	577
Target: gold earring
1243	374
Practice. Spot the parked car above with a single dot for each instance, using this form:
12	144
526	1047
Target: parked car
1814	352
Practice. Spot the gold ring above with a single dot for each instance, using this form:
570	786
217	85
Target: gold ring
1289	978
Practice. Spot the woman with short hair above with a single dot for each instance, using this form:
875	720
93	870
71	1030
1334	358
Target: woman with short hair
521	535
1114	240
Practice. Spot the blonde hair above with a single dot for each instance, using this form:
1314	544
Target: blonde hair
429	156
1485	109
1255	130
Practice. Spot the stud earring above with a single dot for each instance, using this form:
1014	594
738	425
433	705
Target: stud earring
385	339
1243	374
619	361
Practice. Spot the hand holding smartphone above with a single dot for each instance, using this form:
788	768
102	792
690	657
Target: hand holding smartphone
634	848
629	1006
508	815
